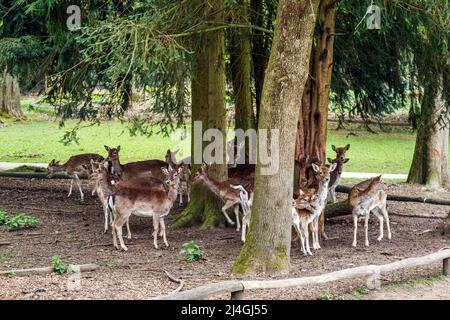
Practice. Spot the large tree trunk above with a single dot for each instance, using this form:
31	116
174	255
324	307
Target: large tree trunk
430	161
9	96
267	246
208	106
240	60
312	122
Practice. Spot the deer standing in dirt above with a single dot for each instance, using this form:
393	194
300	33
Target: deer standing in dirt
138	169
365	197
185	179
75	166
308	208
147	202
335	177
246	203
229	195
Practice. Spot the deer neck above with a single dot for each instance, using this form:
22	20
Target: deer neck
212	184
173	192
322	192
336	174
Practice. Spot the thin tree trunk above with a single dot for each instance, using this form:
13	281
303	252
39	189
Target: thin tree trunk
430	160
267	246
208	106
10	96
312	122
240	56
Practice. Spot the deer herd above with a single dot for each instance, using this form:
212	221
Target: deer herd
150	189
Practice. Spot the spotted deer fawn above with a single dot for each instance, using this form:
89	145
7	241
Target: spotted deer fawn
229	195
75	166
185	178
308	208
365	197
131	170
335	177
149	202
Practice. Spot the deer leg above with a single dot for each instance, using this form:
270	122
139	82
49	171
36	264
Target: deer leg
236	213
163	231
155	232
71	187
302	240
181	197
77	180
322	226
355	229
381	222
118	225
227	205
305	232
128	229
244	229
315	225
106	212
366	229
114	234
386	217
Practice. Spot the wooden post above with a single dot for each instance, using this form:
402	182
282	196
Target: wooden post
237	295
446	267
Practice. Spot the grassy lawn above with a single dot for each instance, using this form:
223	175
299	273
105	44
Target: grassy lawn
37	140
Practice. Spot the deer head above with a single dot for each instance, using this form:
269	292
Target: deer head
172	178
113	153
201	174
322	173
53	167
340	154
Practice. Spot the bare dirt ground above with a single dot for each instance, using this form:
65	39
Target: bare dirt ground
74	231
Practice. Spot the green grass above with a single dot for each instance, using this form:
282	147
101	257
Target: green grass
37	140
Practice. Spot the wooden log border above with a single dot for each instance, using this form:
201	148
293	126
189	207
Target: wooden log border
237	287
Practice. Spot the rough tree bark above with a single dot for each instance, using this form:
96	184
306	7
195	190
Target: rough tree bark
208	106
312	121
241	68
267	246
430	161
9	96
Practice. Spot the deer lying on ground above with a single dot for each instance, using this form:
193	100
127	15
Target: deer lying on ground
131	170
75	166
229	195
149	202
185	178
308	208
365	197
335	177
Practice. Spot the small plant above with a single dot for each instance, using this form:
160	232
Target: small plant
59	266
3	217
21	221
327	296
360	292
192	251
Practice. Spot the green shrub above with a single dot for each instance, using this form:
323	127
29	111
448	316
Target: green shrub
192	251
59	266
21	221
3	217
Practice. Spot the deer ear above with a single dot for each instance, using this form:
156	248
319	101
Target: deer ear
315	167
118	148
347	147
330	160
52	162
333	166
333	147
346	160
107	148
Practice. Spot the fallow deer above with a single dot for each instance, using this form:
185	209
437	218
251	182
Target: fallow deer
246	203
225	192
75	166
365	197
150	202
308	213
185	178
138	169
335	177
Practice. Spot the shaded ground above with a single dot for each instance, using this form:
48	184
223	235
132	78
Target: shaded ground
74	231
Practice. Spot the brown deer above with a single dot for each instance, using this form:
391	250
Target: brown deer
185	179
149	202
131	170
75	166
229	195
335	177
308	209
365	197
